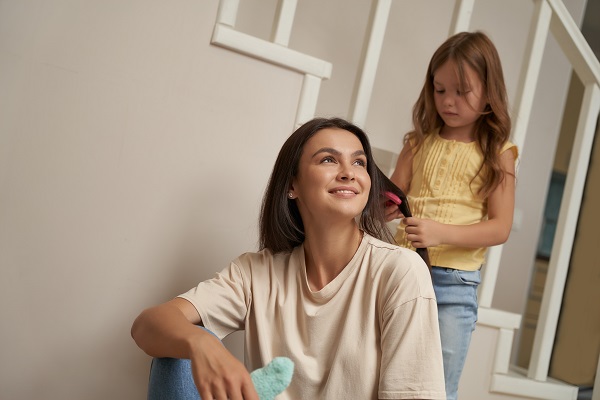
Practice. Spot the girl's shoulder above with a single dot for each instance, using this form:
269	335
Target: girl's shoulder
426	139
512	147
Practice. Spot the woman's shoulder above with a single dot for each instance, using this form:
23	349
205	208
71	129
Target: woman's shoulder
263	260
399	259
396	268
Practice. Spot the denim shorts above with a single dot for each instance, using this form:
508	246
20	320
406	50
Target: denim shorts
456	293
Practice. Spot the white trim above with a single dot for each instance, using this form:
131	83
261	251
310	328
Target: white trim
363	88
231	39
309	96
545	333
284	20
517	385
461	17
530	70
489	276
573	44
596	390
227	13
503	350
498	318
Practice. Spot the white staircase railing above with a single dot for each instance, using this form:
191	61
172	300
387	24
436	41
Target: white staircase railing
586	66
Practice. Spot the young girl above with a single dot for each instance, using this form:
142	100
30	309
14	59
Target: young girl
458	169
356	315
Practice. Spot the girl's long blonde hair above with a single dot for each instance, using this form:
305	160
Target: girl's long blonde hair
492	129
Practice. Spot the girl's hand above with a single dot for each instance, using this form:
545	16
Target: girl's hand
423	232
218	374
392	212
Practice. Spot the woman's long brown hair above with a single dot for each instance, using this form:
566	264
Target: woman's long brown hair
390	186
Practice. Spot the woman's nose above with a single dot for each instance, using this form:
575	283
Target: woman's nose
346	173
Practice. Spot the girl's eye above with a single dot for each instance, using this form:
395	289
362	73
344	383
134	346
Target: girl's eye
440	91
327	159
361	163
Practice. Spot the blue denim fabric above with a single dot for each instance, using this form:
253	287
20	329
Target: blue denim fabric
171	379
456	293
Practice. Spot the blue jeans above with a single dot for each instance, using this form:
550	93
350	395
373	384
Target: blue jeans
456	293
171	379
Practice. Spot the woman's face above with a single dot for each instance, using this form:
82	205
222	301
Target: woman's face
332	179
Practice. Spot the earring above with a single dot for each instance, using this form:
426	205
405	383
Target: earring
290	195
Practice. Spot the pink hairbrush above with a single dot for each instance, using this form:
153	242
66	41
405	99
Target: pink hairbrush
392	198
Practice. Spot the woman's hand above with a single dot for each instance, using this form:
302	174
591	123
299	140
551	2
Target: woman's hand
423	232
170	330
218	374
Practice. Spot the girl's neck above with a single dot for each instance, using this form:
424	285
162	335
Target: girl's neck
328	251
461	134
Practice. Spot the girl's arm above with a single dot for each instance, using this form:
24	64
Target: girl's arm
401	176
169	330
491	232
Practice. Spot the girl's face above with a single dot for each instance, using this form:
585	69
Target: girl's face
459	107
332	179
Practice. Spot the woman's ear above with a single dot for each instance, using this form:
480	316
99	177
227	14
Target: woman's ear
291	193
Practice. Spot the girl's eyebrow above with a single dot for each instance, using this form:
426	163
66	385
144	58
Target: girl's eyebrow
337	152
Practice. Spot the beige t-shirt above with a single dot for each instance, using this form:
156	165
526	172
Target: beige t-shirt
370	333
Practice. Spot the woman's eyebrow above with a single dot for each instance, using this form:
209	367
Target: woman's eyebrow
337	152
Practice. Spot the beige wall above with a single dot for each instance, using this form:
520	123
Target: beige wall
133	155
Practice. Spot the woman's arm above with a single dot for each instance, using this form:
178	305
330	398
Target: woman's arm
411	350
493	231
169	330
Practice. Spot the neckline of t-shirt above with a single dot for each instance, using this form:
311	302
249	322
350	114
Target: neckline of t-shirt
332	287
439	137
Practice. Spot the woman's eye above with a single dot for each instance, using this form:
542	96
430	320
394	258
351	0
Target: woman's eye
327	159
361	163
440	91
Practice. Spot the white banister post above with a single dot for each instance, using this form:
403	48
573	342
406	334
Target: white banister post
309	95
227	13
363	88
461	17
284	20
596	390
562	246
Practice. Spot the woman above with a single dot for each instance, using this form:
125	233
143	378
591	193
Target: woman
355	314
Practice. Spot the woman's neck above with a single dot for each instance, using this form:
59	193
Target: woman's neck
327	251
